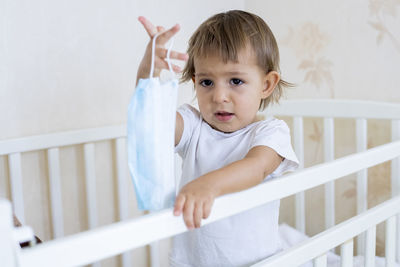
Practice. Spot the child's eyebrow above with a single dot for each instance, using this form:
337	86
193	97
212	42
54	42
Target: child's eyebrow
224	73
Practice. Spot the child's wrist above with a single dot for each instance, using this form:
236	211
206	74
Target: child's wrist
145	73
214	185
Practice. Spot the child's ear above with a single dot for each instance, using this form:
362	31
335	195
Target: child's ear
271	80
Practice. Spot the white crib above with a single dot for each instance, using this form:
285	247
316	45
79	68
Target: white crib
89	246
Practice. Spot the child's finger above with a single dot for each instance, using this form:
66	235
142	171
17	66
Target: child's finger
179	56
188	210
165	36
148	26
198	214
176	68
162	52
179	202
207	209
163	64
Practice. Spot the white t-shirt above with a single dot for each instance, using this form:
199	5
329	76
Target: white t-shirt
245	238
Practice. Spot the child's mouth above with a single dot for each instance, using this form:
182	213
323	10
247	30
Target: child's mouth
223	116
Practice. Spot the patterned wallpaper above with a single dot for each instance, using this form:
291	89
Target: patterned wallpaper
308	43
381	12
343	50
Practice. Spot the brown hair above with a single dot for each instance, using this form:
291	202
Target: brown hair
226	34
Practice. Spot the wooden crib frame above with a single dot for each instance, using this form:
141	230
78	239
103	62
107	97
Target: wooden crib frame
87	247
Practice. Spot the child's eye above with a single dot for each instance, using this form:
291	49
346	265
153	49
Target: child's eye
236	81
206	83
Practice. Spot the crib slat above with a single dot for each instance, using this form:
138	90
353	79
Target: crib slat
370	247
55	192
90	175
298	139
395	162
395	178
17	192
398	238
390	241
300	212
90	178
299	149
123	201
362	182
346	254
7	248
122	179
361	139
330	186
155	254
320	261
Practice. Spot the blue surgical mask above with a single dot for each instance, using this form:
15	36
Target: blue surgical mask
150	139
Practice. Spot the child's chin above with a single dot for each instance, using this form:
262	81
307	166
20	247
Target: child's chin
225	128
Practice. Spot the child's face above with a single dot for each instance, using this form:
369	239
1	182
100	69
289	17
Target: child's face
229	94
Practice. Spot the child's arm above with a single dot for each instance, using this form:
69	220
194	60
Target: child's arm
159	61
196	198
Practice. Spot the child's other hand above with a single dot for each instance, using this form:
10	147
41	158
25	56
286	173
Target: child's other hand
160	50
195	201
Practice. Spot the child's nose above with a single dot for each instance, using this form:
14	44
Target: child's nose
220	95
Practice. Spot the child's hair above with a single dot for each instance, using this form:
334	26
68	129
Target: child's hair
226	34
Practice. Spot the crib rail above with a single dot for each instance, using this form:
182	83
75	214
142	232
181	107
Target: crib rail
46	141
329	108
90	246
343	234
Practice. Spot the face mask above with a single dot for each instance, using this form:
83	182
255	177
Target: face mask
150	139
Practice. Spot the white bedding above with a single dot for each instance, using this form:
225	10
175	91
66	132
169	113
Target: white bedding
291	237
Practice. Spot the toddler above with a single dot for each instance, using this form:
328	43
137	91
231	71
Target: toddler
233	61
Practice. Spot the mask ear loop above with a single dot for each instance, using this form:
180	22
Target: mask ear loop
168	59
153	46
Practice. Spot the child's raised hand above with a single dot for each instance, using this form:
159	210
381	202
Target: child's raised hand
160	50
195	201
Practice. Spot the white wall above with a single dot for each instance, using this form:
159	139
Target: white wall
69	64
72	64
